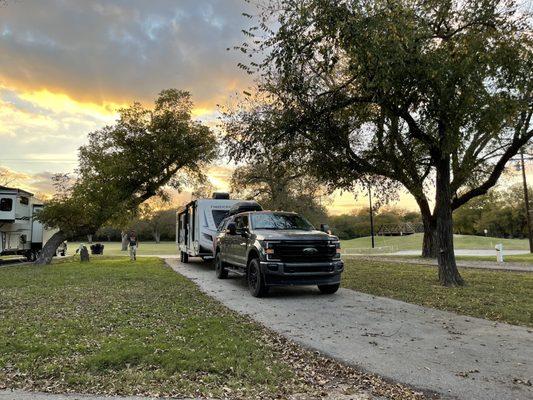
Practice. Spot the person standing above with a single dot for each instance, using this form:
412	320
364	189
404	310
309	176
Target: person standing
133	243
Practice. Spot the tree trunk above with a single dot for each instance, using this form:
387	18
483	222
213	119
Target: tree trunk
429	245
429	248
448	273
50	248
157	236
90	239
124	241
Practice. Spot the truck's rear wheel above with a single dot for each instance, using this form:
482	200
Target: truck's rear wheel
184	257
256	281
220	268
329	289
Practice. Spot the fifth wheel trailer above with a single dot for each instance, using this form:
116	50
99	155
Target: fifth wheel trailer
196	225
20	233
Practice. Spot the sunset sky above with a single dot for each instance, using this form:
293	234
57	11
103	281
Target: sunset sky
66	66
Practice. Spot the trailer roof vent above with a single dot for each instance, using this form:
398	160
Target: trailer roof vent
221	196
244	206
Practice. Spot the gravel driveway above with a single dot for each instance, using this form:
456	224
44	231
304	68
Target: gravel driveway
456	356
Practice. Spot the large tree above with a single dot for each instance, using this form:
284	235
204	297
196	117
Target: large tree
274	175
127	163
156	218
435	95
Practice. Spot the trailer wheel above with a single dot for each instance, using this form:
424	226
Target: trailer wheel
31	256
184	257
220	267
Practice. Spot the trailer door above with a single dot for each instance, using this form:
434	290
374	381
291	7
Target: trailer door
36	228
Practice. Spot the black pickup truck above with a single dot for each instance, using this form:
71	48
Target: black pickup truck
272	248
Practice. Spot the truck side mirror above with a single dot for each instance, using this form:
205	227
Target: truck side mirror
325	228
232	228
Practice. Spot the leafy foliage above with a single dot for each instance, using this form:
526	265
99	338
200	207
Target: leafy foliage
125	164
501	212
348	226
421	93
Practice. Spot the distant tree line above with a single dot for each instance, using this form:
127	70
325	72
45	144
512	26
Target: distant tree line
159	226
501	212
349	226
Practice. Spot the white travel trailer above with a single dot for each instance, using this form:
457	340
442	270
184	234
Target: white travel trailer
196	225
20	232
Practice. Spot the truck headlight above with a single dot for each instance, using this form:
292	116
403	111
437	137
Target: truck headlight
337	248
268	247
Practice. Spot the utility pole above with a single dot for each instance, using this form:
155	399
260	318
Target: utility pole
526	200
372	216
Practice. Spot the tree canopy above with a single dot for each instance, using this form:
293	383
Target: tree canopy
127	163
434	95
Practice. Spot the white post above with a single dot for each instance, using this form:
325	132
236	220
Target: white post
499	252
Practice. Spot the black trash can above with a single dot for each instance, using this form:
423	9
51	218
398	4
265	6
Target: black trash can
97	248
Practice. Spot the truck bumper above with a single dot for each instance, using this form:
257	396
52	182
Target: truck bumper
286	274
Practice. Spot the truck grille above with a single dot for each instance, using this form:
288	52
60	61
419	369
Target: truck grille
304	251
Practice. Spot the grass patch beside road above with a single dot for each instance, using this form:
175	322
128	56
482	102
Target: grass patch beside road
145	248
414	242
516	258
495	295
112	326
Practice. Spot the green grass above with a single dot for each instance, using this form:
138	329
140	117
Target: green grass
514	258
112	326
518	258
495	295
414	242
410	242
145	248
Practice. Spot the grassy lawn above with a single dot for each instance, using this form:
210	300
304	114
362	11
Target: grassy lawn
116	327
495	295
518	258
414	242
145	248
410	242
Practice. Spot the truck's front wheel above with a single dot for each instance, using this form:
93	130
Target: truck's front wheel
220	268
256	281
329	289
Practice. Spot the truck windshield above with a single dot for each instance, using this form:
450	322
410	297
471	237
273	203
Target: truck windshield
280	221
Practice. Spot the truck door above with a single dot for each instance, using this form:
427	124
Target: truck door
224	239
241	240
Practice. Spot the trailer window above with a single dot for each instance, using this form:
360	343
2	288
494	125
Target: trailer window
219	215
6	204
24	200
